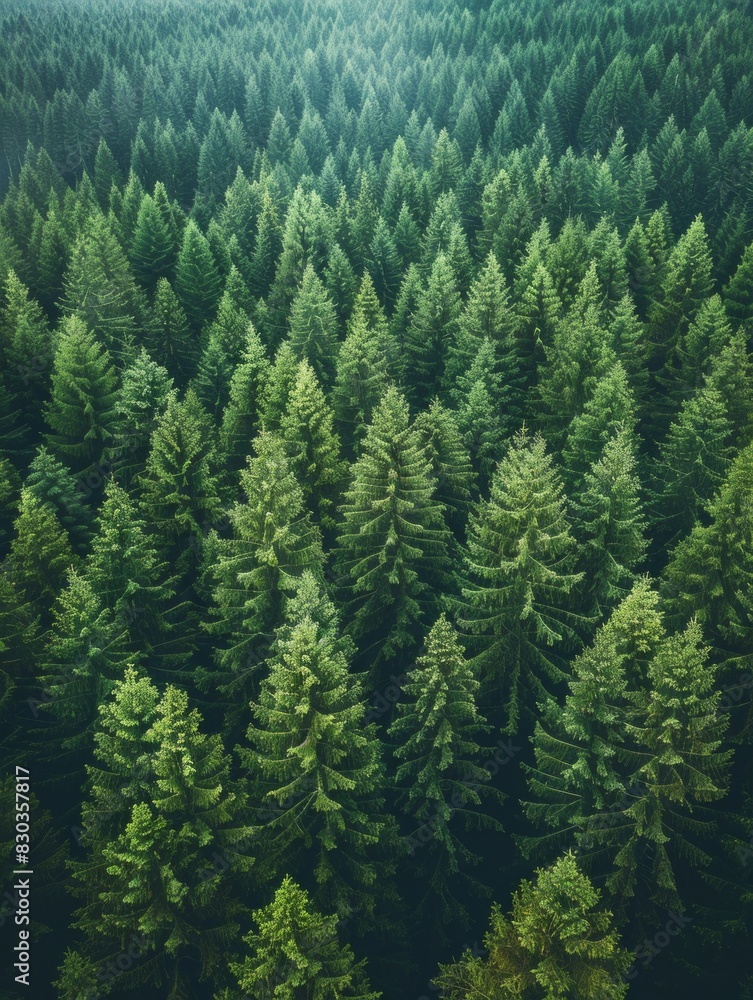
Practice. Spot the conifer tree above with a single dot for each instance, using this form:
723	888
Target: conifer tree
168	337
709	572
579	355
340	283
610	408
150	877
682	768
520	568
295	952
214	373
554	944
267	246
241	420
40	552
197	280
25	346
629	766
153	251
279	386
128	575
739	290
539	311
86	653
81	411
361	378
392	547
100	290
483	416
686	281
313	326
52	484
143	396
437	732
579	772
179	487
308	432
311	751
692	460
610	522
273	542
450	462
433	327
487	315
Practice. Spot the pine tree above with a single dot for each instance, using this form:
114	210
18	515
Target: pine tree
738	293
361	378
241	420
340	283
127	574
52	484
487	315
554	944
143	396
40	552
539	311
179	487
279	386
100	290
86	652
610	409
450	462
686	282
150	878
311	753
682	768
296	952
169	339
81	411
580	354
710	570
313	326
273	542
433	327
392	547
520	567
26	347
610	522
153	251
197	280
437	730
308	432
213	376
483	416
692	461
579	772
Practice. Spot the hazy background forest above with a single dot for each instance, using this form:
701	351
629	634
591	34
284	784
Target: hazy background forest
376	525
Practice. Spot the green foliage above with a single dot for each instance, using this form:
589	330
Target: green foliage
313	326
296	952
274	541
314	763
440	777
554	944
308	432
81	412
197	280
520	568
392	549
179	487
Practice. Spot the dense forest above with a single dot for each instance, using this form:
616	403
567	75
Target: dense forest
376	499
